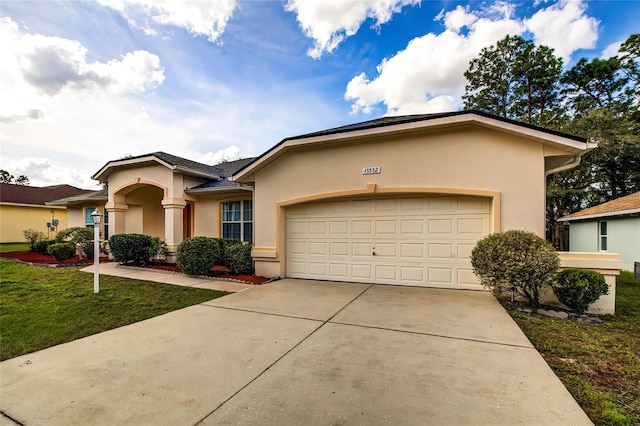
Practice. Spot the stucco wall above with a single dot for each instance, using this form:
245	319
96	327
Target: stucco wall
623	238
470	158
16	218
146	211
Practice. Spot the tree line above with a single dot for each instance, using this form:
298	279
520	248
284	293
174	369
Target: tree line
597	99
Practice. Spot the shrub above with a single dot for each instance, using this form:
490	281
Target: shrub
239	258
130	248
158	249
518	261
225	243
41	246
196	256
62	251
81	237
31	235
579	288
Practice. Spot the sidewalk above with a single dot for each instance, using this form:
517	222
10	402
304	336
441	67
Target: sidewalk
113	269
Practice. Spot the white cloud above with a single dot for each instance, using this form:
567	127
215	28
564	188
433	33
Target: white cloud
612	49
41	172
428	75
225	154
329	22
565	27
199	18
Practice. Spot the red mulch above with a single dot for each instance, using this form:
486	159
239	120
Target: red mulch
45	259
217	271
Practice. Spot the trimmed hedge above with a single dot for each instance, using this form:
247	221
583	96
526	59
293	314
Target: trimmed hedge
239	259
130	248
516	261
81	237
579	288
62	251
197	255
225	243
41	246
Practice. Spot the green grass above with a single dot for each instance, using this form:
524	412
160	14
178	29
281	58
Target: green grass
43	307
7	247
599	364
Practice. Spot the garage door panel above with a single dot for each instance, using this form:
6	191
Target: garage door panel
412	250
417	240
362	227
317	248
440	226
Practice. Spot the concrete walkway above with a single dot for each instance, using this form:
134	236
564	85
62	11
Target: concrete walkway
296	352
112	268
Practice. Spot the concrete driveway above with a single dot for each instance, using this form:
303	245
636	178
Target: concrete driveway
298	352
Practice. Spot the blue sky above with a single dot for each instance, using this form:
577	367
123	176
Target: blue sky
82	83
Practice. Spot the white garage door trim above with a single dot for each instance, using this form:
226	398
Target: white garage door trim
412	240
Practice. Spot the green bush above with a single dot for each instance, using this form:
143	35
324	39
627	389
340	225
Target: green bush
62	251
80	236
130	248
516	261
225	243
196	256
158	249
41	246
579	288
239	259
31	235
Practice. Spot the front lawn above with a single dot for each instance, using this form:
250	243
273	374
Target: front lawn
7	247
43	307
599	364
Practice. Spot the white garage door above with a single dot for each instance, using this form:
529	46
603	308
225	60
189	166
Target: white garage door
422	241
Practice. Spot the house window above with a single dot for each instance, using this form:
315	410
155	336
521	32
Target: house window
105	225
237	220
88	222
603	236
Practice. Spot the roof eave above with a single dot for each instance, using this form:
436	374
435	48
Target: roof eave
601	215
576	146
214	190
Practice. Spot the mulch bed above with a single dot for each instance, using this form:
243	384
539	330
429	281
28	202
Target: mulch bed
46	259
217	271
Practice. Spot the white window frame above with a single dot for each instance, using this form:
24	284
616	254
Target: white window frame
603	236
245	205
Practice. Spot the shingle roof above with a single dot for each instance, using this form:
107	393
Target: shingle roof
93	196
620	206
230	167
401	119
188	166
26	194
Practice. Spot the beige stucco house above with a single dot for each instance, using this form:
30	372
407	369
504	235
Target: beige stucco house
397	200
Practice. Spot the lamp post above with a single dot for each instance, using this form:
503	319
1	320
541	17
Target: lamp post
96	217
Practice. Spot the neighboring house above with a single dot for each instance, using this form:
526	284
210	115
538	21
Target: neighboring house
24	207
80	207
613	227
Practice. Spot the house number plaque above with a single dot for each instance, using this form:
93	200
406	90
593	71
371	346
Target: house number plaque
376	170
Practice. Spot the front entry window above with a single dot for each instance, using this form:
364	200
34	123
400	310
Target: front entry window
237	220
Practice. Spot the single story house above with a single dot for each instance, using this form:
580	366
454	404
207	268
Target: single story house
613	226
25	207
396	200
80	208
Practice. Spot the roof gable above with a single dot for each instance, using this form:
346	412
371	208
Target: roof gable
26	194
173	162
629	204
573	146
